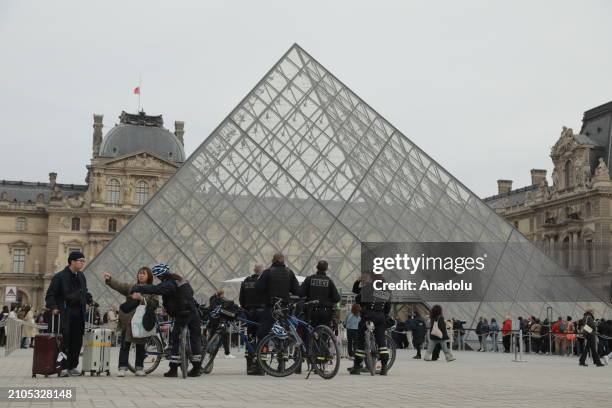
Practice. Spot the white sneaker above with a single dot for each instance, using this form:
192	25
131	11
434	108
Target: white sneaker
230	356
121	373
140	373
606	360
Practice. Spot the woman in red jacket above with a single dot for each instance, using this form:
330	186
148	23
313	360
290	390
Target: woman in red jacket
507	334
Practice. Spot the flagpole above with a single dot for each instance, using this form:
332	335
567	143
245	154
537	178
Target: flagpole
139	92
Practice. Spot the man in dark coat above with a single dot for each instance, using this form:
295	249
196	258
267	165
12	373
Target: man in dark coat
418	327
276	282
68	297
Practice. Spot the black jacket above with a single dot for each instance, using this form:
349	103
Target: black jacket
371	304
277	281
326	293
177	296
61	294
249	296
419	328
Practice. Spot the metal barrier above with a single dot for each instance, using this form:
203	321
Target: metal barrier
12	329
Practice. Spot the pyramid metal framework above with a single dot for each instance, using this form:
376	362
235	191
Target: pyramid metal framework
304	166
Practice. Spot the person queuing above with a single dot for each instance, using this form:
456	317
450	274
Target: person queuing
253	302
506	333
126	312
589	333
177	298
320	287
276	282
218	299
375	307
352	325
67	296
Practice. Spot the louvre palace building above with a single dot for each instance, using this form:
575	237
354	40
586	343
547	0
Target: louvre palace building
41	222
570	218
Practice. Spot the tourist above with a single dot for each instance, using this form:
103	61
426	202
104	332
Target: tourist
126	313
438	334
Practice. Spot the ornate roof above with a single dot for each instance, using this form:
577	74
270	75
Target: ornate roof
141	132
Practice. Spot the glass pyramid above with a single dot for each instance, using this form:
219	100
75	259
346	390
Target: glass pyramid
303	166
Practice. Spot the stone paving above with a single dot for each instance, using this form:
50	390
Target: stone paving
473	380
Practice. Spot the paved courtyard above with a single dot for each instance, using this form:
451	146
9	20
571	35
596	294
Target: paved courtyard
473	380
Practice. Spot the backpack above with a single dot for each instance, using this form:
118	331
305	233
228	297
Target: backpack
561	327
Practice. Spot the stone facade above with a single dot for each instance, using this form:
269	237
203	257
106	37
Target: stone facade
40	223
570	219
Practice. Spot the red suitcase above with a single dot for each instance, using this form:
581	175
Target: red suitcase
46	351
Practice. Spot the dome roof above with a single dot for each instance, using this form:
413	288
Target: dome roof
141	133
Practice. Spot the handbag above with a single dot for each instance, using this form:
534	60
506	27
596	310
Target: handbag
435	330
138	329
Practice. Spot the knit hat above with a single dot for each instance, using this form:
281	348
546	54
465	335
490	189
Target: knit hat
75	255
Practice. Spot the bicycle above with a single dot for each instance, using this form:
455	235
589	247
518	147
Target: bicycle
372	355
159	347
156	348
228	315
283	344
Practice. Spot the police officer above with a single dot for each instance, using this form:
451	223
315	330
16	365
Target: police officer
278	281
320	287
375	306
253	302
177	295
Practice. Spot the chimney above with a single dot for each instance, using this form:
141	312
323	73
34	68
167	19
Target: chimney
52	179
97	134
537	176
179	130
504	186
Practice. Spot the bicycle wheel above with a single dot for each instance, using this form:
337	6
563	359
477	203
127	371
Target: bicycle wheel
370	353
279	357
324	353
153	355
392	350
209	352
183	346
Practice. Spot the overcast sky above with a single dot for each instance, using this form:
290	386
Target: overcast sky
483	87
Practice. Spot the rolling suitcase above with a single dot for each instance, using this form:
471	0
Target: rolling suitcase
96	350
47	348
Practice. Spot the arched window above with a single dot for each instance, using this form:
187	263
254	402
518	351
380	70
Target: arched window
76	224
142	192
114	191
112	225
21	224
568	174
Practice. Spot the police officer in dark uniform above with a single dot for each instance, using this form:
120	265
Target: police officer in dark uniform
375	306
177	296
320	287
278	281
253	302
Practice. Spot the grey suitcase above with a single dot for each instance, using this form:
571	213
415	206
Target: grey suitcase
96	351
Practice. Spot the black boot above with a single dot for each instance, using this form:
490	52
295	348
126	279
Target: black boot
356	370
196	370
173	372
383	368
